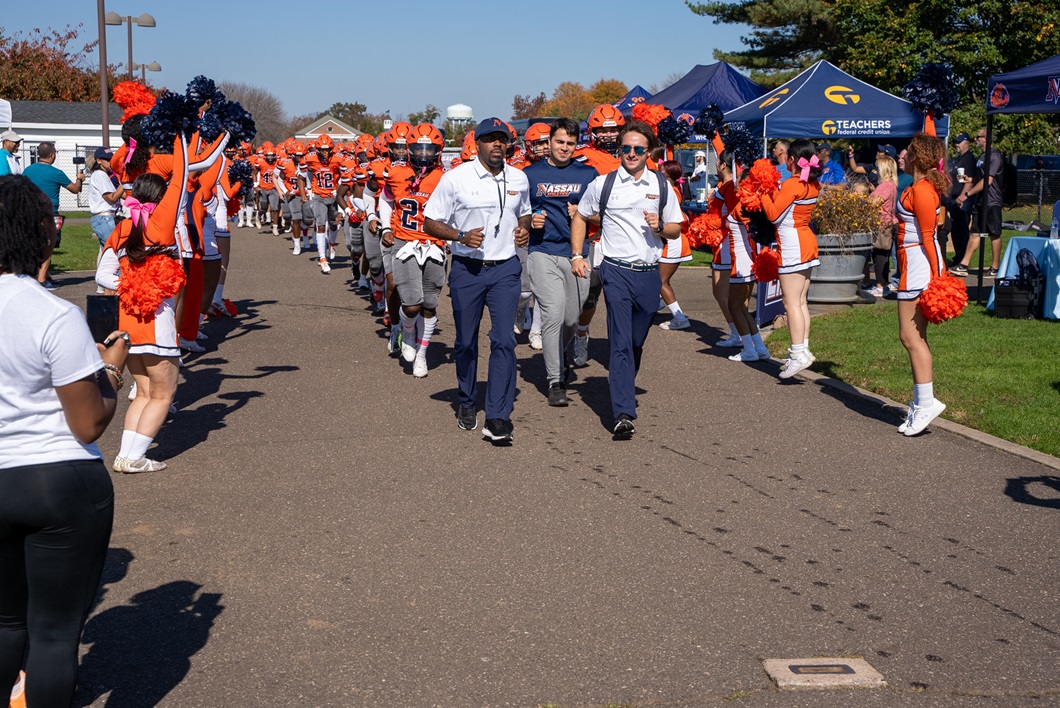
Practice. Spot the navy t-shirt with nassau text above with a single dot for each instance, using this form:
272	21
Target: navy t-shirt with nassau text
552	189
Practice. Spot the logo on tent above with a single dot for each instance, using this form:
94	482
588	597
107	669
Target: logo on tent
775	98
841	95
1053	94
828	127
999	96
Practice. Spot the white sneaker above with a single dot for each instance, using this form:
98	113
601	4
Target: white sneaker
324	267
745	356
99	290
676	323
143	465
536	341
419	367
275	230
908	417
730	342
331	252
191	346
922	416
581	349
795	364
132	391
297	248
242	224
257	222
408	351
119	464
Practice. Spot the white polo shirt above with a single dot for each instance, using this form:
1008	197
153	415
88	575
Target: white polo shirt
624	234
469	197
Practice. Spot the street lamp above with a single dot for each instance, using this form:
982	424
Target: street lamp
104	86
144	68
144	20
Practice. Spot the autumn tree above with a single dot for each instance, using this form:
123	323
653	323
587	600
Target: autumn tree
528	106
49	65
607	91
570	99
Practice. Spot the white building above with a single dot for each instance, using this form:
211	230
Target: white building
75	128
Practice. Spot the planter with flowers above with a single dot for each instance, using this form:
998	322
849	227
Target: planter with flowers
845	223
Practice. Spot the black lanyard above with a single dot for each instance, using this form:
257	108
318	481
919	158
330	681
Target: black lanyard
502	198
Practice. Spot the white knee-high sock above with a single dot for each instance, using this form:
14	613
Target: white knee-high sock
322	244
429	323
408	329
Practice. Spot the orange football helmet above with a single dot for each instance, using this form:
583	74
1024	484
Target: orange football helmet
605	116
397	141
425	143
470	150
297	149
380	145
536	139
325	144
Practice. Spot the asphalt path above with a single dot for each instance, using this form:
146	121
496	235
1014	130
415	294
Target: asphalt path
326	536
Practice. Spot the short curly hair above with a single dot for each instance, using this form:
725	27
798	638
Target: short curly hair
27	226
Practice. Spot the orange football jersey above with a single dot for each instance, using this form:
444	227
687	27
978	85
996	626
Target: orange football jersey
324	176
407	217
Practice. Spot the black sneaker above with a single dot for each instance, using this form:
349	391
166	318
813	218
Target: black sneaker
992	273
466	419
557	395
50	284
624	425
959	270
498	430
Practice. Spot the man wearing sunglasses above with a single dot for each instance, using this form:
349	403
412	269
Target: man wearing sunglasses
483	208
632	230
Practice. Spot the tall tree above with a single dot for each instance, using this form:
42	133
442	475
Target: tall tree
269	117
607	91
428	115
570	99
528	106
49	66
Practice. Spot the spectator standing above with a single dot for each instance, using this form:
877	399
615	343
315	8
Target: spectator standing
632	231
780	158
988	178
699	175
831	172
887	194
50	179
869	169
9	143
963	165
56	499
483	208
103	196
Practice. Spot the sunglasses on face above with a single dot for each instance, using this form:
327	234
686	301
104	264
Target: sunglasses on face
637	150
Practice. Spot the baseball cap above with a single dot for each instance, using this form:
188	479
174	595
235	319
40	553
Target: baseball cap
822	146
492	125
887	150
103	154
961	137
11	135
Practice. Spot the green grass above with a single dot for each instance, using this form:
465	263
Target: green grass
78	250
995	375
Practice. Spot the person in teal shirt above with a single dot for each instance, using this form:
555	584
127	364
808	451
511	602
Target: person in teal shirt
50	179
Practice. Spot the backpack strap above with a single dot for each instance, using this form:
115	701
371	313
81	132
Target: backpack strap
605	193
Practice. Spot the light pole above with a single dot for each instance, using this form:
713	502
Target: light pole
144	20
104	88
144	68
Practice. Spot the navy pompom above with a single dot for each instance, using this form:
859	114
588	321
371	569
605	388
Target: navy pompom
237	121
932	90
673	131
759	228
241	171
746	147
201	89
709	121
172	113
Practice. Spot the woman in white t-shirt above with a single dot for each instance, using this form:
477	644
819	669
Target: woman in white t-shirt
57	395
103	196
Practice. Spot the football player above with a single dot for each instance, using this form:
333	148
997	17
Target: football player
322	172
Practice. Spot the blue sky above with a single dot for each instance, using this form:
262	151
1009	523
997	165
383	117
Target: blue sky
398	57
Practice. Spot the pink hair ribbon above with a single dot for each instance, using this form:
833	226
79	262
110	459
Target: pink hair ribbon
139	211
942	164
806	165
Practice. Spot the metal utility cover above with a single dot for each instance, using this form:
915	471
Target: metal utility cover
823	672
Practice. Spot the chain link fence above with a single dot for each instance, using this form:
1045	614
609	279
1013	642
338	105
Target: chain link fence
1040	189
68	159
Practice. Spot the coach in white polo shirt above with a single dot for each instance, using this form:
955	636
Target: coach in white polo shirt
638	213
483	208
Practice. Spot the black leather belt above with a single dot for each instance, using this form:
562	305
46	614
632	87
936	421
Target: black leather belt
478	262
637	266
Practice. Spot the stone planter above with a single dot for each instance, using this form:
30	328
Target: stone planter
843	258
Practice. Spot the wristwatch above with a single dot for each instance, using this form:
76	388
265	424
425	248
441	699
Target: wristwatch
460	238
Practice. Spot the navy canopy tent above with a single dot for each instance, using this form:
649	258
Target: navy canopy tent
1032	89
706	84
636	95
826	102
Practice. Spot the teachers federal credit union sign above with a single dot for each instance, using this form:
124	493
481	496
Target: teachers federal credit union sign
841	128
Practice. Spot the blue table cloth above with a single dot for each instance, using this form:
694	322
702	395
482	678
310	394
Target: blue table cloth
1047	251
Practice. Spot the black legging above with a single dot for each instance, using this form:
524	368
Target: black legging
55	523
881	264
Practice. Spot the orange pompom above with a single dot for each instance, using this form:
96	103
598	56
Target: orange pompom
143	286
705	230
761	178
944	298
134	97
766	266
650	113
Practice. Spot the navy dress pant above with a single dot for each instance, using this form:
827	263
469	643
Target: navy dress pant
632	299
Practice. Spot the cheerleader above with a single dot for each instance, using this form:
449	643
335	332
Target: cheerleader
720	270
919	260
741	255
675	252
143	250
790	209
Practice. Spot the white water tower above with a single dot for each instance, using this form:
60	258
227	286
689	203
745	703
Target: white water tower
460	113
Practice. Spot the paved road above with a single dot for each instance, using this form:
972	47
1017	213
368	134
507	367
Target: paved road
326	536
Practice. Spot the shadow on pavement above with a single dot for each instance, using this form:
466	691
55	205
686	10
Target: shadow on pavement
142	650
849	397
1018	489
